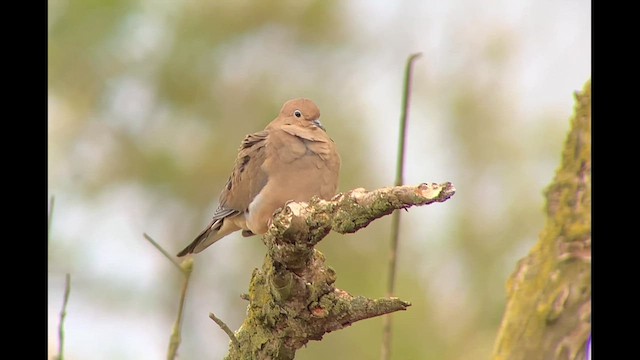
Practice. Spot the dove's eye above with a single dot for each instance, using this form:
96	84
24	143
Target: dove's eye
297	113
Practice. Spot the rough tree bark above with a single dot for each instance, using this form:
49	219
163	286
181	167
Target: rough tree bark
292	299
548	313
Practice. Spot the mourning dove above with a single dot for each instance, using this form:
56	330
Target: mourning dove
293	158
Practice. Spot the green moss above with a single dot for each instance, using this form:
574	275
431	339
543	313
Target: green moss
381	205
331	275
548	291
281	285
327	303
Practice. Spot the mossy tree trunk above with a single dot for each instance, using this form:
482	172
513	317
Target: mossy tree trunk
548	313
292	298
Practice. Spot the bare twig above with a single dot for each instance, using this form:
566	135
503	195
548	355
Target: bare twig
67	288
226	329
163	251
63	314
51	204
186	267
395	220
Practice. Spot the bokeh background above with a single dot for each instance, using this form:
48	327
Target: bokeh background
148	102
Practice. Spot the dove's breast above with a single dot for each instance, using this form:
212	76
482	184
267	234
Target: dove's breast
296	172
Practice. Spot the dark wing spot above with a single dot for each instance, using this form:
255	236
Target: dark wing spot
229	184
243	164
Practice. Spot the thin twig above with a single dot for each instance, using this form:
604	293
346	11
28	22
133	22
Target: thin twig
163	251
186	268
63	314
51	204
226	329
395	220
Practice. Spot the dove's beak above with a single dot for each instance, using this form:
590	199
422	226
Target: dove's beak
318	124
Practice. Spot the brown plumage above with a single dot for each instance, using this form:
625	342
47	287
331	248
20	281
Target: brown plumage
293	158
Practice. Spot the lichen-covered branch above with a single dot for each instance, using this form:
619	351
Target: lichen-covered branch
292	298
548	314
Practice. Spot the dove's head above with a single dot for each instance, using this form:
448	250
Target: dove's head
302	112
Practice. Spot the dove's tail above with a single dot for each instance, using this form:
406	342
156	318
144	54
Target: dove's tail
219	227
202	238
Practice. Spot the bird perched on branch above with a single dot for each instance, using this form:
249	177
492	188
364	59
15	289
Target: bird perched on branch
293	158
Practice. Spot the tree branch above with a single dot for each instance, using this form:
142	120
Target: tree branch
292	298
224	328
548	313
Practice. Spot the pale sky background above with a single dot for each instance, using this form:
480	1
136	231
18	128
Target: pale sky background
552	59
